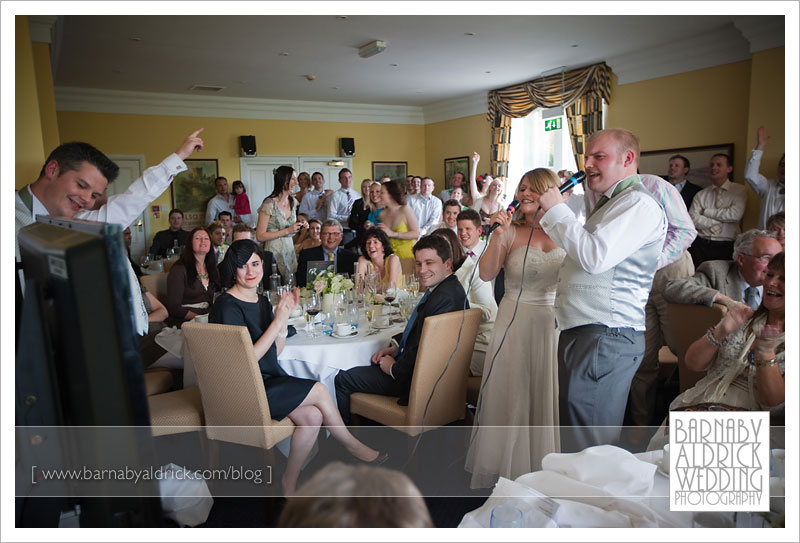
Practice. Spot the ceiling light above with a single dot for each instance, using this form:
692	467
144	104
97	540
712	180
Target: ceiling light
311	77
283	54
136	38
469	33
371	49
335	88
487	72
574	45
341	17
395	65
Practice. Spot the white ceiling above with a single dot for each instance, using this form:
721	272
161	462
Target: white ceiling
436	60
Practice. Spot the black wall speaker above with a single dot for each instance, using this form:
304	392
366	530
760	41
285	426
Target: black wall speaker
348	146
247	145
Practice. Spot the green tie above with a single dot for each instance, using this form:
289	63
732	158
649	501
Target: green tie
622	185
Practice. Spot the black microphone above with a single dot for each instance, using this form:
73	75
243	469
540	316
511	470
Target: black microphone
576	178
512	207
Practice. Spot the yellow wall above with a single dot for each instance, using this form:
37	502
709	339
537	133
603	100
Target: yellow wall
456	138
767	99
46	95
157	136
29	152
703	107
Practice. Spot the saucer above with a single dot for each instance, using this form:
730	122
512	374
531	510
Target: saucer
354	333
659	468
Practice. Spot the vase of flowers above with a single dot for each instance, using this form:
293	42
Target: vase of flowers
328	284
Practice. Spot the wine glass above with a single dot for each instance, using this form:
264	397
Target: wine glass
312	309
144	261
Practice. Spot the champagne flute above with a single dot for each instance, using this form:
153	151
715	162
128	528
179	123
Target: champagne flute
369	311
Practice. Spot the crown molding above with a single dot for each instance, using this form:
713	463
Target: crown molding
41	27
723	46
184	105
465	106
762	32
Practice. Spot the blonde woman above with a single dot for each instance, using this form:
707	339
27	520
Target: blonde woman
510	436
487	203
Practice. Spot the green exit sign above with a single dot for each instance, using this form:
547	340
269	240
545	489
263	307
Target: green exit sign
552	124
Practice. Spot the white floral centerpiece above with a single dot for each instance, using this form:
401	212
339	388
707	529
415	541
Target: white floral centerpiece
329	283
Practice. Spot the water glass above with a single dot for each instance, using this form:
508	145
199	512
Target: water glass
144	261
327	323
505	516
352	315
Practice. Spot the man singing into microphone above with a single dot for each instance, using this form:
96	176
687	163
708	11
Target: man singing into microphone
603	286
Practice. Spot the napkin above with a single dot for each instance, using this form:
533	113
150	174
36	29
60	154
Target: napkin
613	470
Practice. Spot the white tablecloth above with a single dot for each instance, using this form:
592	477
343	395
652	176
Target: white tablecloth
320	358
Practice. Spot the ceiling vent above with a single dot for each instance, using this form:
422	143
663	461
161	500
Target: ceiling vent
207	88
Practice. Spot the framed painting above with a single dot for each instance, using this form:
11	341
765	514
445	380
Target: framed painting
656	162
394	170
454	165
192	189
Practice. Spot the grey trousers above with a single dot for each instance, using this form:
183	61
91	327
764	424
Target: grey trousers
595	367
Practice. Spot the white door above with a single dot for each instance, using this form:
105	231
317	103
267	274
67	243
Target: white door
130	169
258	177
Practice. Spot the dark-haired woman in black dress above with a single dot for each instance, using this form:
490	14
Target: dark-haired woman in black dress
307	403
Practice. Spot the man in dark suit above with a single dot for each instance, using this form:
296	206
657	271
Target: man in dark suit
331	236
392	368
723	281
676	174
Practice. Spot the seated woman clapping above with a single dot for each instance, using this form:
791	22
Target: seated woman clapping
379	259
307	403
744	353
193	279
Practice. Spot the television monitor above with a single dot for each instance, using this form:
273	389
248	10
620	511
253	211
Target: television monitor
79	379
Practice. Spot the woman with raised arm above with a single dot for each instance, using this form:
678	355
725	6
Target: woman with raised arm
510	437
397	220
306	402
277	221
488	203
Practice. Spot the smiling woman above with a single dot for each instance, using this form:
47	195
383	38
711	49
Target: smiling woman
193	280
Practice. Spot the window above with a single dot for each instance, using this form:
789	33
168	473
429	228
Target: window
532	147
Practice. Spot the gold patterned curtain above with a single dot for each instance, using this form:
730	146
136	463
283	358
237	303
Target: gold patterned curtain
580	91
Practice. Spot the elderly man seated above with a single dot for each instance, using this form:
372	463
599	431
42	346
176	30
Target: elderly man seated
727	281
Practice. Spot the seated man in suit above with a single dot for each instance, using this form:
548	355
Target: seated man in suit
331	235
392	368
726	281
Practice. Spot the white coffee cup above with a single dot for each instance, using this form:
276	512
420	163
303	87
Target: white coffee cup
665	459
344	329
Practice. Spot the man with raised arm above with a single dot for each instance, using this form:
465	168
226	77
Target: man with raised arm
771	191
76	175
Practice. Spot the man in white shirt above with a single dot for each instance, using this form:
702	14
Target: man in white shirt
426	207
469	232
716	211
76	175
222	201
603	286
313	204
341	203
771	191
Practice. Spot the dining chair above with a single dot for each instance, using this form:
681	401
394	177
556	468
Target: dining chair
408	266
448	401
156	284
157	381
176	412
689	322
233	394
168	263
